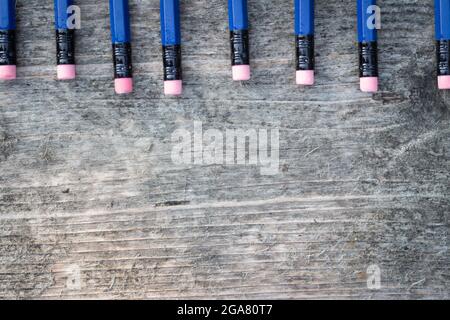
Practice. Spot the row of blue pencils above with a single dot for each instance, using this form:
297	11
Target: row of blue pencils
67	13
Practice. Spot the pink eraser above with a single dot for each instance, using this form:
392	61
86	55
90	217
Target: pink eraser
241	73
65	71
305	77
8	72
444	82
369	84
123	85
173	87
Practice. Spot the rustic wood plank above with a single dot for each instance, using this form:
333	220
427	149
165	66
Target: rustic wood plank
92	206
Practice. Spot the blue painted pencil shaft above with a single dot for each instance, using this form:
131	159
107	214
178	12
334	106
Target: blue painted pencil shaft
366	31
304	17
61	13
238	15
7	14
120	21
442	19
170	22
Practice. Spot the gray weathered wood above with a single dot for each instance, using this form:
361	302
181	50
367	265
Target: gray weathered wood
88	187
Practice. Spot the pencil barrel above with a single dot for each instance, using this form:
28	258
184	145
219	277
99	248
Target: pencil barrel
123	67
304	45
172	62
368	59
240	52
8	47
65	46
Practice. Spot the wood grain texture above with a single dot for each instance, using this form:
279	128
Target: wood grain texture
92	206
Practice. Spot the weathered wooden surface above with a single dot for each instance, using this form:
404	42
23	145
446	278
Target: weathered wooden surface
92	206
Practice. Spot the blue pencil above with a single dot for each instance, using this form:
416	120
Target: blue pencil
239	38
121	43
171	46
367	45
65	41
442	21
7	39
304	41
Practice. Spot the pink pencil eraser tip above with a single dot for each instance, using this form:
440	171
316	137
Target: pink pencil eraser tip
443	82
123	85
369	84
173	87
65	71
241	73
305	77
8	72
